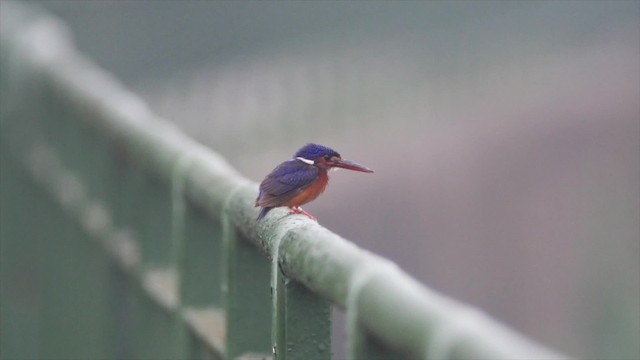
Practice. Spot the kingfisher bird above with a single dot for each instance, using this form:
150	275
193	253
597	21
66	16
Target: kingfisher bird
300	180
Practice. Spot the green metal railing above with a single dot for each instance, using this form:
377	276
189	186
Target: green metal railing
123	238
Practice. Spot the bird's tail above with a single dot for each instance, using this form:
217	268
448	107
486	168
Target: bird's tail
264	212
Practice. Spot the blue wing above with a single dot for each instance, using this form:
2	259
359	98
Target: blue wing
285	182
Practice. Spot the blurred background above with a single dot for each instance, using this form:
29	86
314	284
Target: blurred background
505	135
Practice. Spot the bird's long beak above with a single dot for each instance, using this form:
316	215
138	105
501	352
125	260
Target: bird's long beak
349	165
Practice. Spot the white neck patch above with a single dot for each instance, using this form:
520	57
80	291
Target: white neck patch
306	161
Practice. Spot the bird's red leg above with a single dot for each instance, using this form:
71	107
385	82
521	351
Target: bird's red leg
298	210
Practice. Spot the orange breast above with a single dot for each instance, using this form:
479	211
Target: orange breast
311	192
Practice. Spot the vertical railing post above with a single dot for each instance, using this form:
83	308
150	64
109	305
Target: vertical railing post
304	322
158	326
301	325
246	295
198	258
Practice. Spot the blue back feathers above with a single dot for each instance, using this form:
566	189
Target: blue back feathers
314	151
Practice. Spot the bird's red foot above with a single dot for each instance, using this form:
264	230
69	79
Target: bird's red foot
297	210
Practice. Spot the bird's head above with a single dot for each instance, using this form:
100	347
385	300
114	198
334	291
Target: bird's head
326	158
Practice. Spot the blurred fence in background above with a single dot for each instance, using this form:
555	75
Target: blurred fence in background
122	238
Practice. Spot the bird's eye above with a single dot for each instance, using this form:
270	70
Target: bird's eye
327	158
